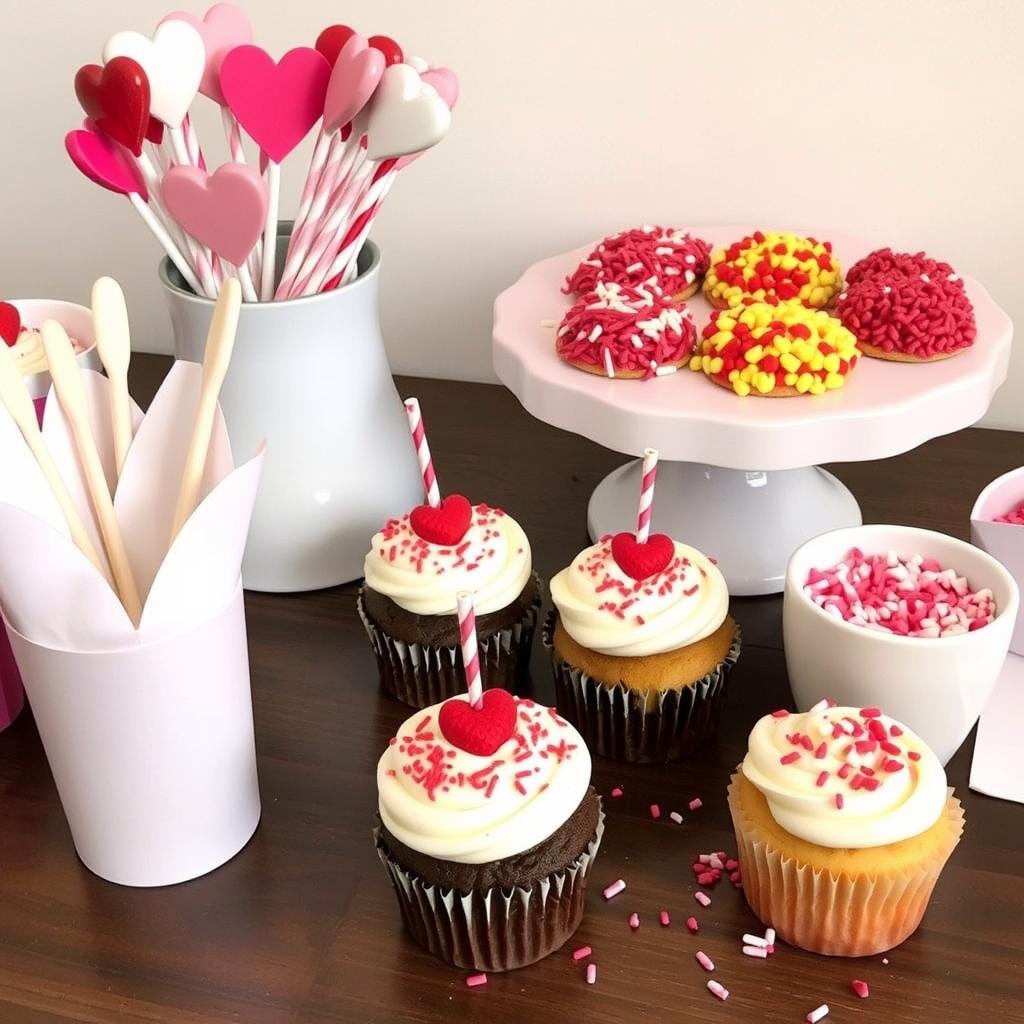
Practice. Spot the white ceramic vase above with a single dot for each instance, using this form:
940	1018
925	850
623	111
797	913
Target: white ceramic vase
310	376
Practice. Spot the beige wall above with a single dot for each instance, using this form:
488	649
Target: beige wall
898	119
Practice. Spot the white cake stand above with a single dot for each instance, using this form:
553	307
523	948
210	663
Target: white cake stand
738	477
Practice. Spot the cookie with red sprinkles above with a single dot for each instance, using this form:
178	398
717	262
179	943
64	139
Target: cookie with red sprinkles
773	265
626	331
675	259
884	263
916	319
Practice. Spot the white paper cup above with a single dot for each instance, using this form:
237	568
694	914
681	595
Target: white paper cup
1004	541
936	686
151	748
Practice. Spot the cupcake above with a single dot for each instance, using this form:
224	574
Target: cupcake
415	567
488	827
641	643
843	822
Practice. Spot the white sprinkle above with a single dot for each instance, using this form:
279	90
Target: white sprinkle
591	973
595	333
815	1015
690	277
549	323
663	250
952	277
719	990
715	861
926	279
592	263
564	330
761	952
769	937
634	267
676	817
665	371
690	258
614	889
886	290
820	706
702	898
609	366
755	940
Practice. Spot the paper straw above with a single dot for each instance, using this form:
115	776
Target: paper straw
317	162
195	151
647	478
166	242
419	440
233	136
269	262
470	654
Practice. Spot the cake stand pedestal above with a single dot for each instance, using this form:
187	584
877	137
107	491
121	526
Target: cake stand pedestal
739	477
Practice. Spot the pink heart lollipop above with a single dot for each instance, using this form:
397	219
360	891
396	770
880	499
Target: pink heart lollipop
105	162
356	73
276	103
222	28
445	83
225	210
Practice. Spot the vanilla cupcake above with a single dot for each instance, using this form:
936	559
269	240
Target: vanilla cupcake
641	643
415	567
488	827
843	822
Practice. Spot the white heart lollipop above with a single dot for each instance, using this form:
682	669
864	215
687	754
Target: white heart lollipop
406	115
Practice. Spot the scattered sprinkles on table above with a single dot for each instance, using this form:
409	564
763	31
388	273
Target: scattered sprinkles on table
674	259
626	331
1015	516
775	264
888	593
776	350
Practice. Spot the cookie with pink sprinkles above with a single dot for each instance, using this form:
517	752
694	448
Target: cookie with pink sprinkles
626	331
675	259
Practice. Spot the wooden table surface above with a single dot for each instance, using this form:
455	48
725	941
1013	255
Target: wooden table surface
302	925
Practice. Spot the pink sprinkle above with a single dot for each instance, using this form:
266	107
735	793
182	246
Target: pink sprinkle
860	988
614	889
617	792
582	953
664	918
839	801
704	960
719	990
476	979
815	1015
634	921
696	804
870	712
781	713
655	811
591	973
822	779
702	898
793	755
691	923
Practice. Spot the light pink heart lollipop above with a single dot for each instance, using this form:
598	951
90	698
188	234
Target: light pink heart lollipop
105	162
356	74
223	27
276	103
445	83
225	210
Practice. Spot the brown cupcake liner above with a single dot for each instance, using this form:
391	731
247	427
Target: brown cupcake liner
627	725
836	915
424	674
494	929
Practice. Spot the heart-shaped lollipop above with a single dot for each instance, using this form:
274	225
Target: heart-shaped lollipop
10	323
482	730
357	71
641	559
331	40
391	50
405	115
173	59
445	524
105	162
225	210
276	103
155	130
222	28
116	97
445	83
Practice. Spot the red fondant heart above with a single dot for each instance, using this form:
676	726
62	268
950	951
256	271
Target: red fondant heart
116	97
332	39
480	730
10	323
446	524
642	560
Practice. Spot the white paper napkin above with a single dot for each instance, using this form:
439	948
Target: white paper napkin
998	765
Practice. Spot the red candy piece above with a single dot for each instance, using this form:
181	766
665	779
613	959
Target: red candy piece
639	561
480	730
155	131
446	524
332	39
10	323
391	50
116	97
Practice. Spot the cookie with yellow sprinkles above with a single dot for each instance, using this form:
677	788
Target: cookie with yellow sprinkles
773	264
776	349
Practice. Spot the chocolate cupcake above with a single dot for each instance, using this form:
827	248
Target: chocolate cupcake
488	826
413	570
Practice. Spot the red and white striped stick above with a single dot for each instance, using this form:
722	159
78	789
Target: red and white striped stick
470	654
648	475
419	439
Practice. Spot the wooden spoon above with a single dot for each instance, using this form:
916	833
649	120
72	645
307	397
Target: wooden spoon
113	342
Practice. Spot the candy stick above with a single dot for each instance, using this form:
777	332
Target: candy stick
14	395
419	440
270	234
67	382
219	342
470	654
113	342
348	254
647	478
165	240
195	151
233	136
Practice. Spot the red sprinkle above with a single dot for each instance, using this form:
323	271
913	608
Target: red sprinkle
860	988
475	980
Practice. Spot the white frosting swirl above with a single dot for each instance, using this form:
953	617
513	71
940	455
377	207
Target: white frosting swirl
29	355
493	560
853	784
472	809
607	611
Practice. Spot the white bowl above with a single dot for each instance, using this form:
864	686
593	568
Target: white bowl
75	319
936	686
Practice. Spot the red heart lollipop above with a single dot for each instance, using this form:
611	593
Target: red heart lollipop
639	561
10	323
332	39
155	131
391	50
116	97
480	730
447	524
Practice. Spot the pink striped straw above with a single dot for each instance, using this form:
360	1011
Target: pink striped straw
419	440
643	515
470	654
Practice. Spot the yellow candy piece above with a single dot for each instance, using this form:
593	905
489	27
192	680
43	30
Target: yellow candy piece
721	339
790	379
818	387
817	361
831	362
741	388
716	365
734	375
755	354
789	362
834	380
725	323
748	373
695	362
803	383
782	344
803	351
788	262
765	382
